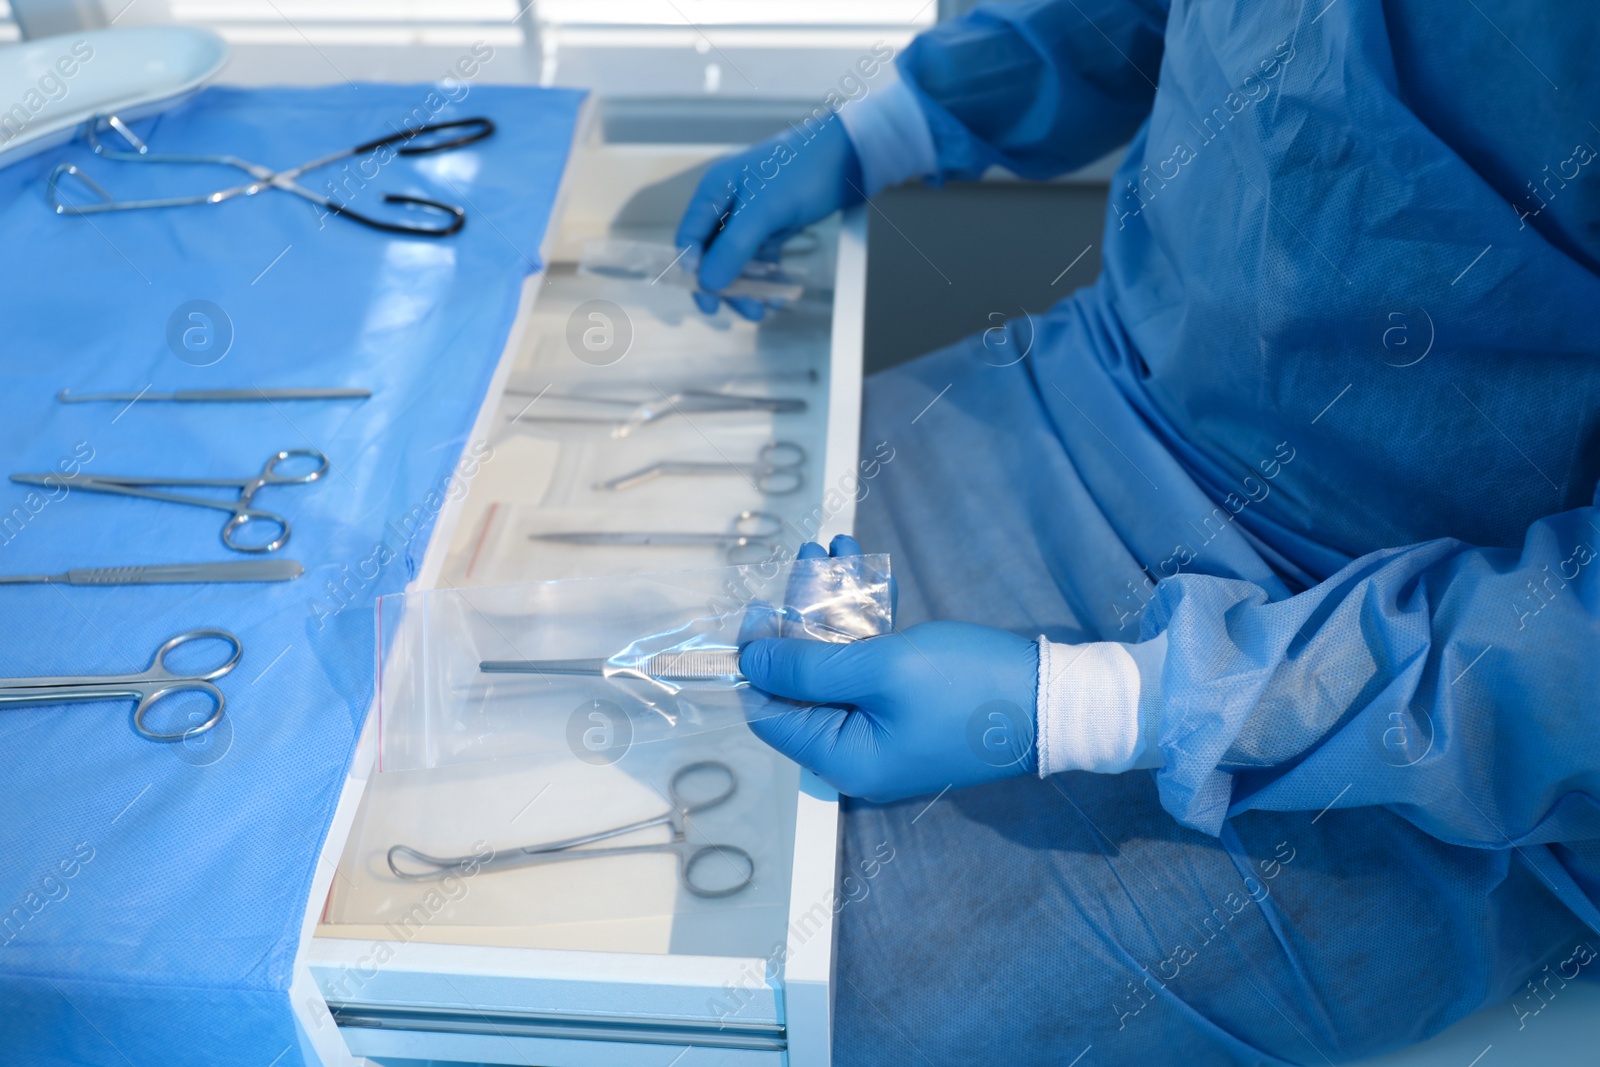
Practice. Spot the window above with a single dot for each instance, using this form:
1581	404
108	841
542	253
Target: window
687	49
8	25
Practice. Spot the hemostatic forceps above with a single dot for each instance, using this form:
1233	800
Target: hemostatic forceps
693	860
243	514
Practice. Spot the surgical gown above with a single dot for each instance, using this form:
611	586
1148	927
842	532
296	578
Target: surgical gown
1330	421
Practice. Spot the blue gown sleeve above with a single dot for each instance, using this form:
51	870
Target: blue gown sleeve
1040	87
1457	686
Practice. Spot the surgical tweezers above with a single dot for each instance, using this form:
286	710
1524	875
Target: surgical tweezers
682	665
267	178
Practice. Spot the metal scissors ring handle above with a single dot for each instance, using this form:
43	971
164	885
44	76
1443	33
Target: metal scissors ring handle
244	514
170	682
778	468
160	671
436	865
752	540
685	806
270	475
753	525
733	854
152	697
244	517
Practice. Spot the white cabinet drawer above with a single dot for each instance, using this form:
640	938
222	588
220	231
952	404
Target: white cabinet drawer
749	987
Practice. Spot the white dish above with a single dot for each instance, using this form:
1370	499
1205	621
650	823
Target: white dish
50	87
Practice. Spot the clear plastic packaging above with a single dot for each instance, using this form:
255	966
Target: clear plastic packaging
624	798
519	671
770	283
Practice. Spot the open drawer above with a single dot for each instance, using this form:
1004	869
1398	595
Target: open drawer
415	971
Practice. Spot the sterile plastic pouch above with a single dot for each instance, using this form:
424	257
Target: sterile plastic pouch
768	282
522	671
567	764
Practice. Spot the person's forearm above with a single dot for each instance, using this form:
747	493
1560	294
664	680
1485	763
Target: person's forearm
1456	685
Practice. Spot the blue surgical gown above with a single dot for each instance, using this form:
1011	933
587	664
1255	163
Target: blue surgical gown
1330	421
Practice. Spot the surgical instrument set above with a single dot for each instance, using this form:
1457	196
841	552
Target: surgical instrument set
775	471
149	687
406	142
751	538
215	395
242	513
696	863
242	570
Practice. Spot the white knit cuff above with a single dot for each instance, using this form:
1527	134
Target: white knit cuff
891	137
1099	706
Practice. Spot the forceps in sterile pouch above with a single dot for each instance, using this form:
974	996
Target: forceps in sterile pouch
243	514
775	471
150	687
751	537
693	860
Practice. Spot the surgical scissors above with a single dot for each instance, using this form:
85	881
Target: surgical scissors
454	217
776	470
150	687
750	530
691	858
243	513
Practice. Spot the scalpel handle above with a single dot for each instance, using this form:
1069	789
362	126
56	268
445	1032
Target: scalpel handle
248	570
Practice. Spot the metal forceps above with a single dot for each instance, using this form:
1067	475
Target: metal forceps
149	687
243	514
776	470
451	216
751	538
693	860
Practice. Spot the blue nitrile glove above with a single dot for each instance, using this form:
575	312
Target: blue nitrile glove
943	704
751	202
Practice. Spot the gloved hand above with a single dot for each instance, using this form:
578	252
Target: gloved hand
942	704
751	202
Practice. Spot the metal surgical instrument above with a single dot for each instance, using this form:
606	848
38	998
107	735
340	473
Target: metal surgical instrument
207	395
407	140
692	860
150	687
241	570
686	402
750	539
243	514
678	665
776	470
